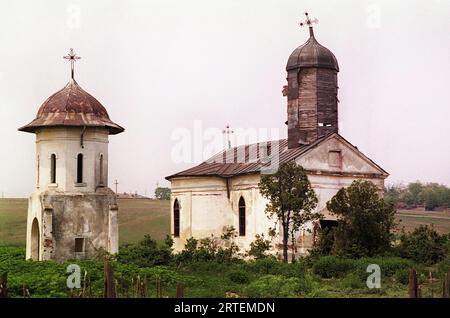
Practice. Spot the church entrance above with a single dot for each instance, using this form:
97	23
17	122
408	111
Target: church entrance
35	240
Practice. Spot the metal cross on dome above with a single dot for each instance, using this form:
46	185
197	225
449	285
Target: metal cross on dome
309	22
72	57
227	131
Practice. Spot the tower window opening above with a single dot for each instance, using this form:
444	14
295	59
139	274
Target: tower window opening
324	125
53	168
80	168
101	169
79	245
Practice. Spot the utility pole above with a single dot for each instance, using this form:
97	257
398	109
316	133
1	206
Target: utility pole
116	183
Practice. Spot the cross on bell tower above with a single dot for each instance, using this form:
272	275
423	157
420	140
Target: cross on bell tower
309	23
72	57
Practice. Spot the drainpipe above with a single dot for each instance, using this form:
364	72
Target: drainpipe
228	187
82	136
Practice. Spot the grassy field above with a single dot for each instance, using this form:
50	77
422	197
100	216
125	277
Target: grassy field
138	217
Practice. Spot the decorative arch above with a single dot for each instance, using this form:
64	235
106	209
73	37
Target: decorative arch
241	216
35	240
176	218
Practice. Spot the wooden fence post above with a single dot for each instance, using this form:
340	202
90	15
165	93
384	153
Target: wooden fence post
4	285
448	284
180	290
444	286
158	288
412	286
109	291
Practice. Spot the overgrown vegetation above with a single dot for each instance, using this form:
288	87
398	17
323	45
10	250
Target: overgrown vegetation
365	221
325	276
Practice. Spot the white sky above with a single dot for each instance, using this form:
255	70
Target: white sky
160	65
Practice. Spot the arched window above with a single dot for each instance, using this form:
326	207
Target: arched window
53	168
80	168
176	219
101	169
241	217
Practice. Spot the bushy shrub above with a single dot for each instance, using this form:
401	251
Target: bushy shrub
223	249
264	265
333	266
147	252
388	265
402	276
423	245
353	281
259	247
278	286
239	277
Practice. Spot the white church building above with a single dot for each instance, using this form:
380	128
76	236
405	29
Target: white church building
223	191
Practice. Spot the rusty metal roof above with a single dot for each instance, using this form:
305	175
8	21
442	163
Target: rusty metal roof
312	54
72	106
244	159
250	159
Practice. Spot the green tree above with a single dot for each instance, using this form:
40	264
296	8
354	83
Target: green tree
365	220
291	199
413	194
423	245
162	193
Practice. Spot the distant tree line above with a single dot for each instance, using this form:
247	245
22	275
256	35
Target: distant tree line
162	193
417	194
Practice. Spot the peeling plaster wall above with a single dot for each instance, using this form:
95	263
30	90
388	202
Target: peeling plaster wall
67	210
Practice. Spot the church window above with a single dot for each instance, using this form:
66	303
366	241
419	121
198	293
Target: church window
101	169
53	168
80	168
79	245
241	217
334	158
176	219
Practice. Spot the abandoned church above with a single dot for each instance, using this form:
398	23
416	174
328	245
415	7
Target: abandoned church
72	213
223	191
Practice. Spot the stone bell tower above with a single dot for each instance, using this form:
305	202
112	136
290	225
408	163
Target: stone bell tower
72	213
312	103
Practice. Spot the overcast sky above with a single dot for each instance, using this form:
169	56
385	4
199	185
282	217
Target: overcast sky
161	66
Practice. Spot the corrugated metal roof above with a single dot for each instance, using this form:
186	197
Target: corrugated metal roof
246	159
252	158
72	106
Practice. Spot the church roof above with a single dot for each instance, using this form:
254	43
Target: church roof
246	159
72	106
312	54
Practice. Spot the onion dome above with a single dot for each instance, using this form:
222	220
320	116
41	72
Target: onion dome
312	54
